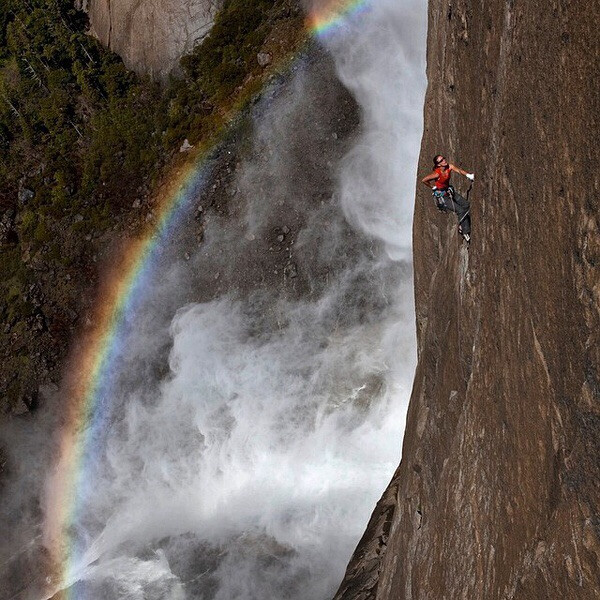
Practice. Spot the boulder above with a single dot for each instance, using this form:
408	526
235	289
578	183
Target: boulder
264	59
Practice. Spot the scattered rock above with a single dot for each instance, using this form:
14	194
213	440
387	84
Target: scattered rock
280	238
264	59
136	203
47	388
78	218
20	408
39	261
7	224
34	295
291	270
25	195
25	404
285	229
186	146
71	315
38	322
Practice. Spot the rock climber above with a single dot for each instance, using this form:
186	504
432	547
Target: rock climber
446	197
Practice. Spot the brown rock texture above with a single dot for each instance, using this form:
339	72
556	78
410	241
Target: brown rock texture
498	491
150	35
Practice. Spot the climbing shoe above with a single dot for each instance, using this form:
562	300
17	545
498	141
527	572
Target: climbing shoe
466	236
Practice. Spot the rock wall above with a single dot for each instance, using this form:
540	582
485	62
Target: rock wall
498	491
150	35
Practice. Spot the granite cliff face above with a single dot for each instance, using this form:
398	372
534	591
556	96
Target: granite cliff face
150	36
498	491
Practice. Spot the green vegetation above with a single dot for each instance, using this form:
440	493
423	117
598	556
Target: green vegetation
81	137
228	54
220	71
79	129
69	110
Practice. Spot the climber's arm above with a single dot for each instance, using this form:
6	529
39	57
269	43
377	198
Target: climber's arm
429	180
470	176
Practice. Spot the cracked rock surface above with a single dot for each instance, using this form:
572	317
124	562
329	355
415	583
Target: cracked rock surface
150	35
498	491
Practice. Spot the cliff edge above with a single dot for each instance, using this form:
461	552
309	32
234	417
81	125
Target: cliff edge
498	491
150	36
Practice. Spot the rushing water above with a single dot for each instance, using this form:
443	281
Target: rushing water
248	466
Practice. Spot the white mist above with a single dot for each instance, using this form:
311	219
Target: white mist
251	469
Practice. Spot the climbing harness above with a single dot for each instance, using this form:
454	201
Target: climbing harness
438	196
440	201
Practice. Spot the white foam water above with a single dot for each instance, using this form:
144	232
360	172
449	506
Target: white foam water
249	471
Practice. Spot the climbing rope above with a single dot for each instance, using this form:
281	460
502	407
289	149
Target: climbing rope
441	205
459	330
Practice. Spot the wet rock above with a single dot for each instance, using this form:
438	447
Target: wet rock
20	408
291	270
25	404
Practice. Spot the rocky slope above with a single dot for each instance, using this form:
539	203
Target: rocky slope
497	495
150	36
85	145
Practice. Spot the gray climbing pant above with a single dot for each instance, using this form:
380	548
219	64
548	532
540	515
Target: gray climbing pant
454	202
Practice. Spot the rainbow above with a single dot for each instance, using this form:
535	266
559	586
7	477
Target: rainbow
97	355
333	14
95	359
